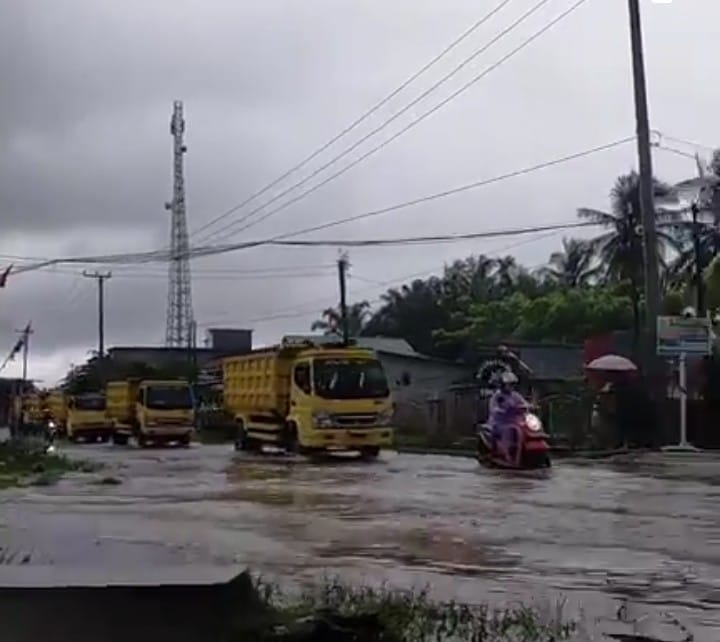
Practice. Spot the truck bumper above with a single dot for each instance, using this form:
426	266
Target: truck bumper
87	429
166	431
348	438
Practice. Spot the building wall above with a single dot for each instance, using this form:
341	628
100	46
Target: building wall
230	340
159	357
429	380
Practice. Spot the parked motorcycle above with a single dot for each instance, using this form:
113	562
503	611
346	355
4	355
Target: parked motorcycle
513	439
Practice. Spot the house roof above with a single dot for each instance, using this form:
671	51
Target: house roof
391	345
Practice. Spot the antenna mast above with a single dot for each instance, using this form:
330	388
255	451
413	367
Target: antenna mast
179	306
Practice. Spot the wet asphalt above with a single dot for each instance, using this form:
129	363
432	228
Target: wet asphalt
639	536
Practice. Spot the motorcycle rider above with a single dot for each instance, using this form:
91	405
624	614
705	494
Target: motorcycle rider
504	399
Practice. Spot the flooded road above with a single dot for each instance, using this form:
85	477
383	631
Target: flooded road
594	535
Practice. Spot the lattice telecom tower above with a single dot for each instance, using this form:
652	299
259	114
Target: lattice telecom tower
179	328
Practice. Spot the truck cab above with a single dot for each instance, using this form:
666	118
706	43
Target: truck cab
152	411
86	418
165	411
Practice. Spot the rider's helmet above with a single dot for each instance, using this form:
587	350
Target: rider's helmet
507	380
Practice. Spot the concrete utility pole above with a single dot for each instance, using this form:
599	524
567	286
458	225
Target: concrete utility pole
647	205
101	278
25	332
343	265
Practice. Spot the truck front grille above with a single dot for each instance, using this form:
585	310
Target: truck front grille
355	420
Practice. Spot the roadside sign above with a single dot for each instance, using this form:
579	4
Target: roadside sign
683	335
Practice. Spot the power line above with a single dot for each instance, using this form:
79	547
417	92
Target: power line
432	240
312	306
161	255
683	141
402	131
404	241
360	119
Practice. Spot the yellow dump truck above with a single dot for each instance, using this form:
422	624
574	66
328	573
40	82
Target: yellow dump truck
151	411
308	396
32	408
86	419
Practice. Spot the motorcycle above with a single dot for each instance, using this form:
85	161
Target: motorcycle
50	433
523	444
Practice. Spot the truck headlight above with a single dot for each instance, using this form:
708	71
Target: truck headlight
384	419
322	420
533	423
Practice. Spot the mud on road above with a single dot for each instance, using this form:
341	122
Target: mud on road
646	532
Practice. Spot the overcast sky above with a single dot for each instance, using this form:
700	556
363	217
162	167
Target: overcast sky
85	149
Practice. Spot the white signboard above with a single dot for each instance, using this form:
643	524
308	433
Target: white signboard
683	335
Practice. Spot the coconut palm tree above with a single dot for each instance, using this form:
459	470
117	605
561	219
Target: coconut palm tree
331	319
573	266
620	249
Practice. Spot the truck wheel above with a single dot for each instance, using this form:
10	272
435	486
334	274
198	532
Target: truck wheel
104	438
119	439
290	439
185	440
141	440
240	437
370	452
243	442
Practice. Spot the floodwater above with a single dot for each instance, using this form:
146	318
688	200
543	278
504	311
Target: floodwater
641	536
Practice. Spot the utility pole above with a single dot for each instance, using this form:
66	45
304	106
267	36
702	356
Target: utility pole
343	265
25	332
101	278
647	206
699	285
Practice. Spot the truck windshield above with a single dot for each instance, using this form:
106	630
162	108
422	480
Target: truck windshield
168	398
349	379
90	403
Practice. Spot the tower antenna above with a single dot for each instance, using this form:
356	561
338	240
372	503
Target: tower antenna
179	306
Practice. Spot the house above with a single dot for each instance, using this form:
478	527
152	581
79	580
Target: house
410	373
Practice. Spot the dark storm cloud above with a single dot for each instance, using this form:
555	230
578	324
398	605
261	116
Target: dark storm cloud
85	151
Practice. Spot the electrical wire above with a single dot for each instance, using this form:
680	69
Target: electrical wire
417	201
311	307
683	141
463	36
229	233
537	6
161	255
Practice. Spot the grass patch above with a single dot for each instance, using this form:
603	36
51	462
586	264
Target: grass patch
25	462
337	611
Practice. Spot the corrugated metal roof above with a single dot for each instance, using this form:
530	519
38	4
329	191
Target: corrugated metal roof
390	345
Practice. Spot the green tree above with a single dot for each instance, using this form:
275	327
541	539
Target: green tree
620	250
573	266
569	315
411	312
331	319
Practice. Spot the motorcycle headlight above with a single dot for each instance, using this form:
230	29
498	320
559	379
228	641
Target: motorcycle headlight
533	423
51	424
322	420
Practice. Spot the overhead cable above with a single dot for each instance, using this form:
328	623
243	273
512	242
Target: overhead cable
464	35
229	233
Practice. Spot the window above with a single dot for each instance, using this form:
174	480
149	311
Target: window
350	379
302	377
168	397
